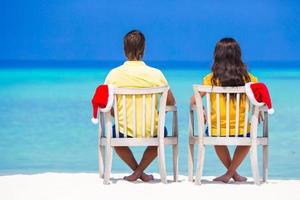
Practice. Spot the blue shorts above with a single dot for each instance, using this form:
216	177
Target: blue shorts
121	135
248	134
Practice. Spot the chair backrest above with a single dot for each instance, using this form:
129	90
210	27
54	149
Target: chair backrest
232	95
150	99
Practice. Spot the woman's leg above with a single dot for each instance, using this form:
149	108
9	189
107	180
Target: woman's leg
239	155
224	155
127	156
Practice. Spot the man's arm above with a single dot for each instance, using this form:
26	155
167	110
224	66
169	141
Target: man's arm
170	99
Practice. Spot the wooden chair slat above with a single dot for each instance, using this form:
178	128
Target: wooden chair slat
133	117
124	116
218	114
152	114
140	91
143	115
208	113
246	116
218	89
227	114
237	114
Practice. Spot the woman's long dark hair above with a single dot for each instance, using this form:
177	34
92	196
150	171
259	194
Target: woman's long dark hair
228	68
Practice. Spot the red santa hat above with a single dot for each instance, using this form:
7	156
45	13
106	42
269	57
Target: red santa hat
104	99
259	95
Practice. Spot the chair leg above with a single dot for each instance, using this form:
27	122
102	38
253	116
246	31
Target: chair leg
265	163
191	161
254	163
101	160
108	164
201	152
175	162
162	163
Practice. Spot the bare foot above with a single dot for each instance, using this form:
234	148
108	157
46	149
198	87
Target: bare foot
224	178
146	178
133	177
238	178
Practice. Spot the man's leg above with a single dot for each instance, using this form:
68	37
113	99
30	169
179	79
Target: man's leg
224	156
127	156
149	155
239	155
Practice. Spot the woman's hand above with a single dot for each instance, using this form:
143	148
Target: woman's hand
260	117
204	115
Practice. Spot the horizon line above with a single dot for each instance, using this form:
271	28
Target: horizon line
121	60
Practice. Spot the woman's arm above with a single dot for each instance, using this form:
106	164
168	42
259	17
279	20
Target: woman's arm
193	102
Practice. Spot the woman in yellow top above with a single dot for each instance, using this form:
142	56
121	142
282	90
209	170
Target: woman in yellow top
228	69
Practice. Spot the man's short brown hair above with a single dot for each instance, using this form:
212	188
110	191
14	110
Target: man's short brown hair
134	45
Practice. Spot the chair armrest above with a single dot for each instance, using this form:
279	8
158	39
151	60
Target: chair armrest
174	120
171	108
174	108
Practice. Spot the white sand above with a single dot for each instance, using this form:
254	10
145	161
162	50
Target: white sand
88	186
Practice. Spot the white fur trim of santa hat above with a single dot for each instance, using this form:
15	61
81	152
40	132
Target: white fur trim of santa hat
250	95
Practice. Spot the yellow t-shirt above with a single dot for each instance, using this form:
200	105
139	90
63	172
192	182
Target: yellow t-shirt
232	108
136	74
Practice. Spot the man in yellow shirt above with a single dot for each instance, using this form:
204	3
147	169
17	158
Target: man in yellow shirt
134	73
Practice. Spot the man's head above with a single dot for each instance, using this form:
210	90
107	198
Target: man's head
134	45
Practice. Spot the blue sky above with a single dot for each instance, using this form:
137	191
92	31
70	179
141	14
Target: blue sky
174	30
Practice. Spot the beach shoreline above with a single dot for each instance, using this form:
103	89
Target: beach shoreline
89	186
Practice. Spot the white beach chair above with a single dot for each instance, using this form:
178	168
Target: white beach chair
202	140
107	142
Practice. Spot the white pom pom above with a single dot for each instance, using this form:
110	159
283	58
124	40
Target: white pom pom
95	120
271	111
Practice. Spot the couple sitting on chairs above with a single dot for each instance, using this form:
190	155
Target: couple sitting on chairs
228	69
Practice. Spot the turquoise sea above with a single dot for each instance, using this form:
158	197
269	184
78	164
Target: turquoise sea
45	113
